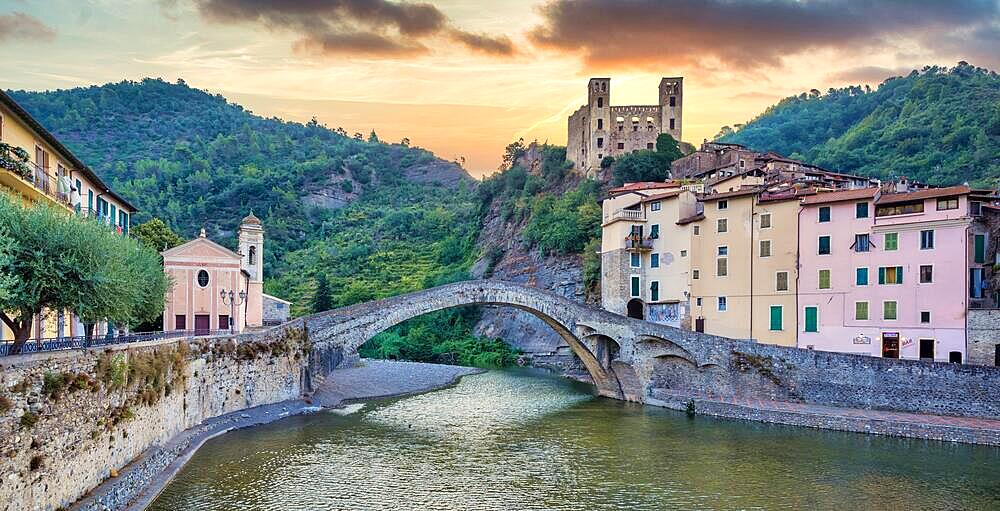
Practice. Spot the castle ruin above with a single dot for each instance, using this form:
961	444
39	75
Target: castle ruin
597	129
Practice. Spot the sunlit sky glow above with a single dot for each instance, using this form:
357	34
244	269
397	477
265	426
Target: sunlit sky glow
466	77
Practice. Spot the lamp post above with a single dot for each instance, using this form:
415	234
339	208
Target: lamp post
233	300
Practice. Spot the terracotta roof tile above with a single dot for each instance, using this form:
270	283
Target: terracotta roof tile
892	198
843	195
642	185
689	219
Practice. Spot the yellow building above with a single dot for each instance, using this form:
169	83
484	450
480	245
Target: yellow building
40	170
743	266
645	252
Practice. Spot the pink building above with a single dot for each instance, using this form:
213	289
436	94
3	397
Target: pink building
215	288
885	274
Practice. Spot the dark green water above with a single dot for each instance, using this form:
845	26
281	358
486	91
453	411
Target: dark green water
517	440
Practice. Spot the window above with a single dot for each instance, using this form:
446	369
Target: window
862	243
926	274
976	282
695	274
824	214
765	248
861	210
765	221
621	145
812	319
671	123
861	276
889	310
673	100
925	316
654	260
975	208
600	102
600	124
722	266
723	251
891	241
723	204
635	286
654	206
697	301
861	311
684	253
649	145
722	304
697	230
252	256
202	278
980	248
776	318
635	262
654	231
890	275
654	291
947	203
722	225
824	245
600	142
926	240
824	279
903	208
781	281
180	322
90	202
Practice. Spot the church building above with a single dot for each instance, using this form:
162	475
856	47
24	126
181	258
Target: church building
214	288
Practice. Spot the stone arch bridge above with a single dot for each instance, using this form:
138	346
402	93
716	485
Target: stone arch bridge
636	360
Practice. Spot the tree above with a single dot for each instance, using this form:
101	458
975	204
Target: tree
668	148
59	261
513	152
156	235
322	298
642	165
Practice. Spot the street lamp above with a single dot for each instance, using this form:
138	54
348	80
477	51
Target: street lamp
233	300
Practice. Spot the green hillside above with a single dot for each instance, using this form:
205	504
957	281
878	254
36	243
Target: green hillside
937	125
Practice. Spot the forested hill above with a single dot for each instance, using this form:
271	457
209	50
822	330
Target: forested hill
375	218
937	125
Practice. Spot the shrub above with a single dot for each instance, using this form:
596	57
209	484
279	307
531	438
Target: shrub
5	404
28	420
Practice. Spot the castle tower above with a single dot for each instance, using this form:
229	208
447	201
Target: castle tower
599	126
251	249
671	102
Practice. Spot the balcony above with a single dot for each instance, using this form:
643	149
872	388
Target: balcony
631	215
29	179
638	243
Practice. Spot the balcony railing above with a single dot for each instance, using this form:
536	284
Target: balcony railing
635	215
638	243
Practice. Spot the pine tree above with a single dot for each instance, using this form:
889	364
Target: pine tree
322	299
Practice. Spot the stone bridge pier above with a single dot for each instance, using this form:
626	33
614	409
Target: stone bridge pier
636	360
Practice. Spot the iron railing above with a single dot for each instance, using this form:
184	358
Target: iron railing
76	342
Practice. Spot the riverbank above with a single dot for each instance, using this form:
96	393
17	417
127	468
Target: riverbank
148	474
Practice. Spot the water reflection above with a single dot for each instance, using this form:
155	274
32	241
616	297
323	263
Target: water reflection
521	441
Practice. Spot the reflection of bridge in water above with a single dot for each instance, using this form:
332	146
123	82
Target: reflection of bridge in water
646	362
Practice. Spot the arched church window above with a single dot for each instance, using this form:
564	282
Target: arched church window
253	256
202	278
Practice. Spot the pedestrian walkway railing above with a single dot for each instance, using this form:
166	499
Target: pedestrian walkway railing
68	343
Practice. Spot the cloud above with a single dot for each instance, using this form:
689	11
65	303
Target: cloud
747	34
18	25
375	28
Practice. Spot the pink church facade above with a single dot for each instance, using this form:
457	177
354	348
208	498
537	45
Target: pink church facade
885	274
205	275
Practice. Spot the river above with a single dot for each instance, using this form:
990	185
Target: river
522	440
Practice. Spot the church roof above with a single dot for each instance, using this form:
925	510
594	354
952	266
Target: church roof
250	219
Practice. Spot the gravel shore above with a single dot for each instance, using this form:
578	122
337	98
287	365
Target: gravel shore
385	378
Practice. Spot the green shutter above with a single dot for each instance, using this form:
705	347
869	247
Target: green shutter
635	286
891	241
654	291
881	275
862	277
860	310
775	317
811	314
899	274
824	279
980	248
654	231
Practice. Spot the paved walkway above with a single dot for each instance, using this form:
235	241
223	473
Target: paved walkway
933	427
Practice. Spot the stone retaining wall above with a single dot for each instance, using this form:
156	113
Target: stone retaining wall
983	331
69	418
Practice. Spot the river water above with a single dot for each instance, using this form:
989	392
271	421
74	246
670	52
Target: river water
521	440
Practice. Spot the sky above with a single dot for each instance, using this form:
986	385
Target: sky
464	78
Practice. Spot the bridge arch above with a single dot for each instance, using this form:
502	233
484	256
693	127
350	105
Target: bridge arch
352	326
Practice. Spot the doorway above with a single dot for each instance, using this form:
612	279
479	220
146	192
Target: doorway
699	325
635	309
890	345
955	357
224	322
927	349
996	355
202	324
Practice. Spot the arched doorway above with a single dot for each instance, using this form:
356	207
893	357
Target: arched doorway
636	309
